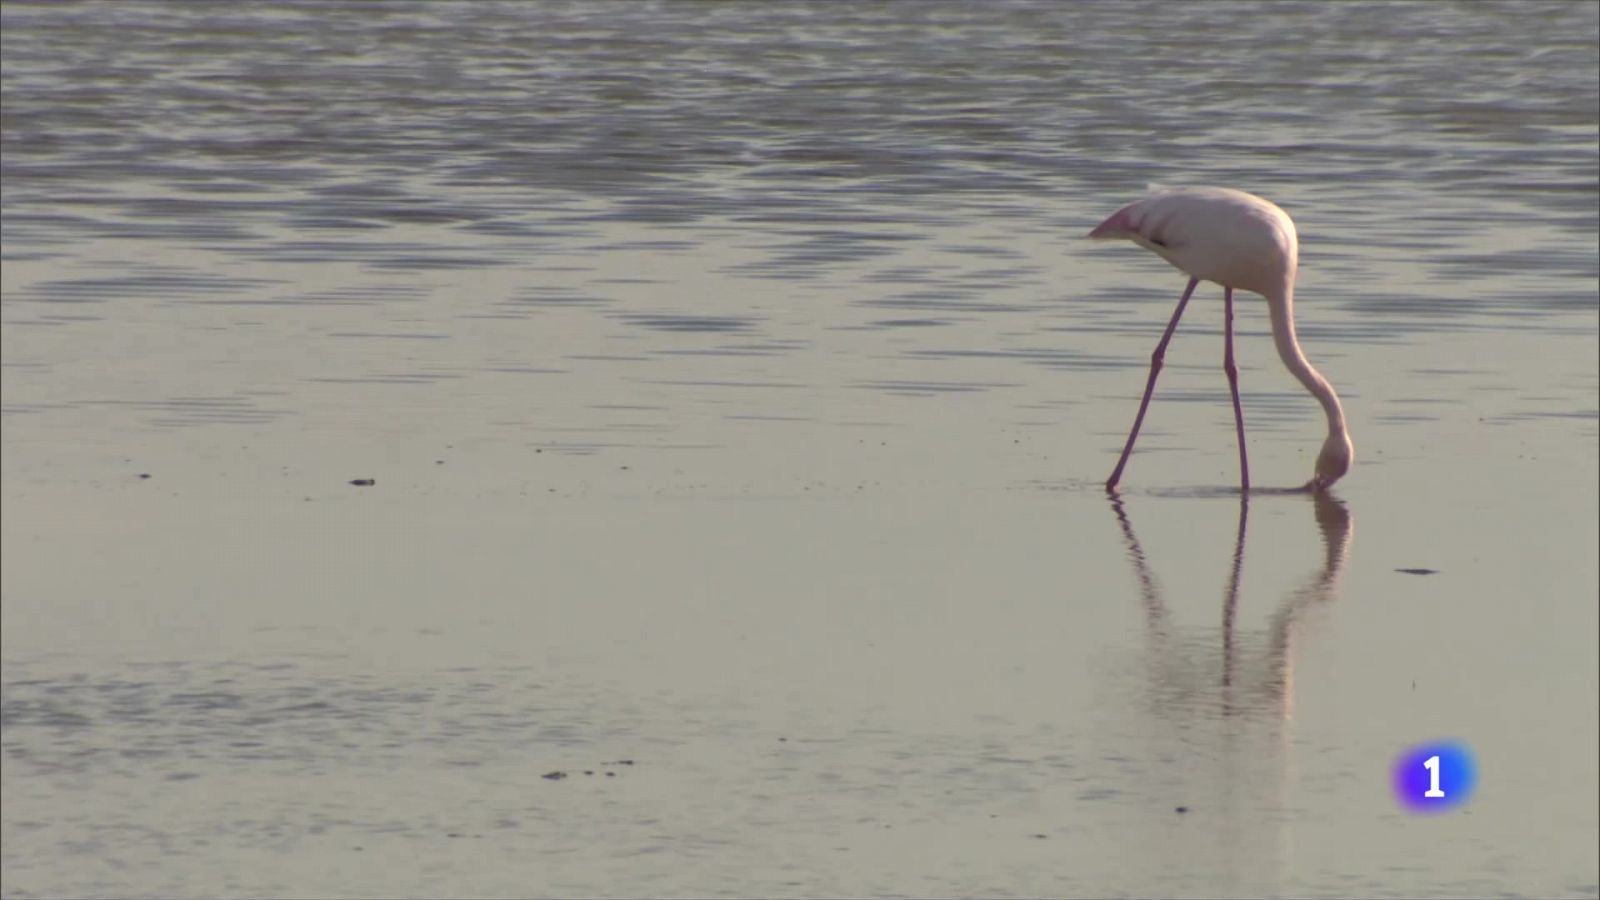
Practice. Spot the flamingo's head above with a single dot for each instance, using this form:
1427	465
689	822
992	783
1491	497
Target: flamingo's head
1334	460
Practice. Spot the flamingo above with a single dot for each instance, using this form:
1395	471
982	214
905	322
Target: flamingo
1243	242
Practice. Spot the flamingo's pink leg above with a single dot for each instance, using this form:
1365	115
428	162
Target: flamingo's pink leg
1150	386
1233	384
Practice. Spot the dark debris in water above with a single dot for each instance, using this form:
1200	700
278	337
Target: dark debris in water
363	482
1418	571
557	775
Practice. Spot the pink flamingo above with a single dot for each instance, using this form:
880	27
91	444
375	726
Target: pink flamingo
1237	240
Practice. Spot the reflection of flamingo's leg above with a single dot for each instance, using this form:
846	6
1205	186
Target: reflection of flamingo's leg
1230	598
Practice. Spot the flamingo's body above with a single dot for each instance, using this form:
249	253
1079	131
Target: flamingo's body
1239	241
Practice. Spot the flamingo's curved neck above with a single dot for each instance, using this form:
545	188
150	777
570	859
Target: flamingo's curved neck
1280	306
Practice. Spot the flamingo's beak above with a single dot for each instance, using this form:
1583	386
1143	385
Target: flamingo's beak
1118	226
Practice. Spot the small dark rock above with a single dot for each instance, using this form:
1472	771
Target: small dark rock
1418	571
611	774
363	482
554	776
144	475
1180	809
1040	836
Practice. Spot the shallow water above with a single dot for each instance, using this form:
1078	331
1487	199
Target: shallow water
737	393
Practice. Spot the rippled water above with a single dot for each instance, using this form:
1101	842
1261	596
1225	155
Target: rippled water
732	376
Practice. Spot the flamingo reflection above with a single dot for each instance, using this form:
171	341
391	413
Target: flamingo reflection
1333	522
1239	770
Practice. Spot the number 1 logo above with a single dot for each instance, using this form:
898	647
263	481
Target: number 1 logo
1434	777
1432	765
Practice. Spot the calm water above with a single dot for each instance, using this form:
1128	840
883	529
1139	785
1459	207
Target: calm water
737	389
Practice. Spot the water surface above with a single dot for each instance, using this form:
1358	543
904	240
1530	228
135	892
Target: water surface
737	389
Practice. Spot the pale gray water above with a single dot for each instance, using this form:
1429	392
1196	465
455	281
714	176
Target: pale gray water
737	389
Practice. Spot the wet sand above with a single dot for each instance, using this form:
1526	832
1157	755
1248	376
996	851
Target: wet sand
928	664
716	417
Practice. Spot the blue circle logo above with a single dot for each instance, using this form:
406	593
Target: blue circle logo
1434	777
